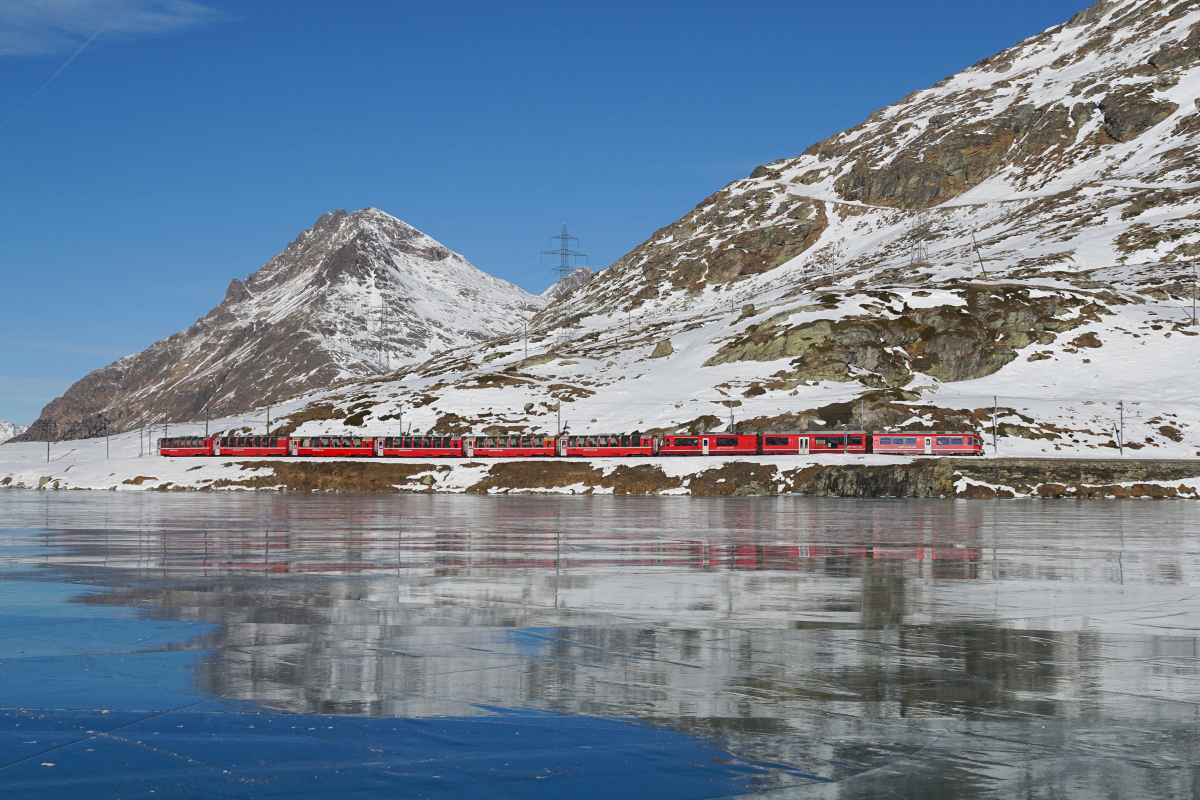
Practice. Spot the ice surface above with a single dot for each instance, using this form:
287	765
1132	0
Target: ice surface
271	645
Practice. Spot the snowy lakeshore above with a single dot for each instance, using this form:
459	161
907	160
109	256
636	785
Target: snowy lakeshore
93	464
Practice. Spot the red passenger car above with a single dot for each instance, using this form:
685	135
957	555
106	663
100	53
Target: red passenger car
332	446
185	446
249	446
613	444
715	444
508	446
932	443
814	443
419	446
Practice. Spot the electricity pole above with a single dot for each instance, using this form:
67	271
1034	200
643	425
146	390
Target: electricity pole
268	419
526	326
1121	435
206	420
564	253
995	403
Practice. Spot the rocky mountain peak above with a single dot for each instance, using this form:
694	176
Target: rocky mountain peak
569	283
356	295
9	430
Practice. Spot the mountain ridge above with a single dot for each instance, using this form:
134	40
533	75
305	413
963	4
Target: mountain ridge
356	295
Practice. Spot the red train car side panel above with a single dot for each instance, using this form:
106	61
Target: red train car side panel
508	446
708	444
419	446
928	444
185	446
250	446
814	443
333	446
600	446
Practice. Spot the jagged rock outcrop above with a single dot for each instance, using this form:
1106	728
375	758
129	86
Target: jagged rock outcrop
356	295
974	334
572	281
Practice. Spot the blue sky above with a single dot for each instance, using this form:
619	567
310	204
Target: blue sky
188	141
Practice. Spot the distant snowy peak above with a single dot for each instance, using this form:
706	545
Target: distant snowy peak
357	295
8	430
572	281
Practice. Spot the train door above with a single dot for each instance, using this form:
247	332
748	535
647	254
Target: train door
216	447
802	441
292	444
469	446
928	445
560	445
704	445
378	446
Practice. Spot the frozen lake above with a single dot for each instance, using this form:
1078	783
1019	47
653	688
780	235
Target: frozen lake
368	646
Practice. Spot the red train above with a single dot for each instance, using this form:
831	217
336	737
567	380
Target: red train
909	443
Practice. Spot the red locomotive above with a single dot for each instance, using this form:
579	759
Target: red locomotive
909	443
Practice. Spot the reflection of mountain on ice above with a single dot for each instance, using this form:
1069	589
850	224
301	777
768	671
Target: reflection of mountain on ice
756	622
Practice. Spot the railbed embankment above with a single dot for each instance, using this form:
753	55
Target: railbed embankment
750	476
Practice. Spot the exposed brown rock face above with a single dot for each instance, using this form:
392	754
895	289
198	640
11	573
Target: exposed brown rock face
951	342
355	295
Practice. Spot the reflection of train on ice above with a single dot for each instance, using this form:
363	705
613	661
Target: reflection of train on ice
914	443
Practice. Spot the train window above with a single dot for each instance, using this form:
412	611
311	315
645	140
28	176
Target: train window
885	440
776	441
625	441
911	440
686	441
956	440
593	441
727	441
856	441
943	440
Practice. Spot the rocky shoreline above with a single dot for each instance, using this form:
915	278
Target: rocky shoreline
931	477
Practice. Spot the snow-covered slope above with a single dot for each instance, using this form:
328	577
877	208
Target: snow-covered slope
8	430
357	295
1021	235
844	286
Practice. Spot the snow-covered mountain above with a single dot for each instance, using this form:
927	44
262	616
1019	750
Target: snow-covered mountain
8	430
1023	230
357	295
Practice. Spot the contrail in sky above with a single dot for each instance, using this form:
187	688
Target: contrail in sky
50	80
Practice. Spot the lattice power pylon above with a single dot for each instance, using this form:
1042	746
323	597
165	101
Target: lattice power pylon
564	253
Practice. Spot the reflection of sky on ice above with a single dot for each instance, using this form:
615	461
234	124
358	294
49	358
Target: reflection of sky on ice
257	645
